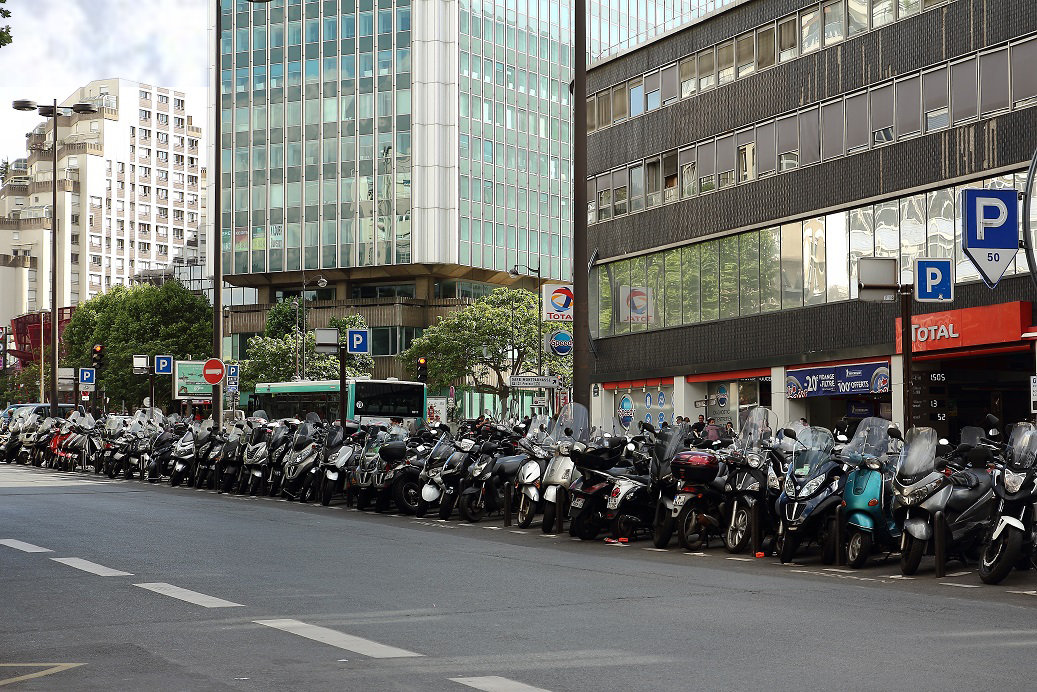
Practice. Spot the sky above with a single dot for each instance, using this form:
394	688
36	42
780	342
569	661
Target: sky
60	45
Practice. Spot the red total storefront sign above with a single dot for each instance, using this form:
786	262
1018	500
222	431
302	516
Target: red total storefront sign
1003	323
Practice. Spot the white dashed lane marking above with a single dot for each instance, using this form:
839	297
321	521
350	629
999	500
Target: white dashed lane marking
494	683
195	597
91	567
364	647
23	546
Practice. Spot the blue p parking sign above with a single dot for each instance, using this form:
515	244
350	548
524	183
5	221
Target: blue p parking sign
991	230
358	341
934	280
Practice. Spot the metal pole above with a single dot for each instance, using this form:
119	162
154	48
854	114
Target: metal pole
302	336
53	276
296	339
1026	241
540	324
43	396
906	348
151	385
341	385
217	241
581	303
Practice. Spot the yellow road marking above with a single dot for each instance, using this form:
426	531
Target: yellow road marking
53	668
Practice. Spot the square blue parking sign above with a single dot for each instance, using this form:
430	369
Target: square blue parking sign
934	280
358	341
990	220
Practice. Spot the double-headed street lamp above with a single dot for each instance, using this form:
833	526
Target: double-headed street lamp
514	273
301	337
53	111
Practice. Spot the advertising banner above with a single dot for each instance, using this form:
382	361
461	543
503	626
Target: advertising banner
188	382
653	406
437	410
858	378
636	305
558	302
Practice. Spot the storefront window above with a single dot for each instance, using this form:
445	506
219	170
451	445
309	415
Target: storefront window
709	279
814	280
749	270
837	253
770	269
912	235
672	306
690	256
791	265
729	276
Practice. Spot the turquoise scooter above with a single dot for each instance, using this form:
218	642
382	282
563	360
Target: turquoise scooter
868	495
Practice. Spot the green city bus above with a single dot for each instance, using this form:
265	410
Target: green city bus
366	400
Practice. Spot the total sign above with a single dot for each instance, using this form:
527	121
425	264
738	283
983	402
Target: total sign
558	302
990	219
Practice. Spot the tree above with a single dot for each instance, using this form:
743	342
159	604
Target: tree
144	319
5	168
484	343
271	358
5	31
282	319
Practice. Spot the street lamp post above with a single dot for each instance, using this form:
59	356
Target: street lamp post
540	302
54	112
216	242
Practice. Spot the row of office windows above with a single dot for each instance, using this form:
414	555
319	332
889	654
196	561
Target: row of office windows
807	262
817	25
916	104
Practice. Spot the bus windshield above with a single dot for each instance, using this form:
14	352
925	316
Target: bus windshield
384	399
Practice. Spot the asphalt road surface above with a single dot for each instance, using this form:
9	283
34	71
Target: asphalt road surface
118	585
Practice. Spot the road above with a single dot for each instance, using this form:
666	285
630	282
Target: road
118	585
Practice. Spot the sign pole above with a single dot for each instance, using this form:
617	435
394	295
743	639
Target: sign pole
151	385
342	384
906	348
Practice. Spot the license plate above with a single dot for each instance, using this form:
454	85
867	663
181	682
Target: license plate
680	500
613	503
577	502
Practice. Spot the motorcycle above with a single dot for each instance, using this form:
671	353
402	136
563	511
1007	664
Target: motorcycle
1012	537
182	456
701	474
868	496
536	446
208	443
755	467
569	432
812	490
339	449
598	467
300	463
231	464
486	480
429	479
927	486
256	459
278	449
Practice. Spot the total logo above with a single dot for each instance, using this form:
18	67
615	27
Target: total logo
558	302
562	298
637	301
560	343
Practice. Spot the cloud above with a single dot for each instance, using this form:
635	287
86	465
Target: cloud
60	45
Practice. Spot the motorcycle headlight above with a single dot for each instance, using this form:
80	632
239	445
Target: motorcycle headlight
564	448
479	468
790	487
772	481
754	460
918	495
812	486
1014	481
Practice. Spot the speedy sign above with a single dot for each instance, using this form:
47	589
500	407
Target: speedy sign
991	230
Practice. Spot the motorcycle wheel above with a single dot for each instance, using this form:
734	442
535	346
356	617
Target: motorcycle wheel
422	508
624	526
828	546
527	509
255	486
1000	556
739	530
406	493
911	555
787	548
691	534
227	483
446	505
363	499
470	508
153	474
176	478
585	526
662	528
327	491
550	517
111	471
858	550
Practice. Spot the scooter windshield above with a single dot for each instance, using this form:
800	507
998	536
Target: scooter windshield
918	457
573	423
971	435
1022	446
668	442
303	436
869	442
811	450
539	430
441	451
757	429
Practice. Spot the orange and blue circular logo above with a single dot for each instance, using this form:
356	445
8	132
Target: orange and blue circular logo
562	299
637	301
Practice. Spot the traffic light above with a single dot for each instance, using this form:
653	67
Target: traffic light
422	369
97	356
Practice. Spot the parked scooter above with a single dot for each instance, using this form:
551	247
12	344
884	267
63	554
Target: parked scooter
868	496
569	433
340	445
813	489
1012	537
183	456
753	485
536	446
927	486
256	461
300	465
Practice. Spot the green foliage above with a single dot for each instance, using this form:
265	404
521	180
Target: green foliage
5	168
143	319
272	357
484	343
5	31
283	318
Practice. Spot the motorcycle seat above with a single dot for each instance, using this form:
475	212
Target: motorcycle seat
509	466
963	497
635	477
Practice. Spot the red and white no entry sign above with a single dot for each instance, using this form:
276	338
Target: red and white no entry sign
213	371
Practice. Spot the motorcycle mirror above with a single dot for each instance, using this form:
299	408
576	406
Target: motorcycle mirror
789	433
568	431
895	433
991	420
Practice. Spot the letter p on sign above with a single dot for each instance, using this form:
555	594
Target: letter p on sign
358	341
984	220
934	280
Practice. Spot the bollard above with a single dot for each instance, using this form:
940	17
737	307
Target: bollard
757	527
562	507
940	545
840	553
507	504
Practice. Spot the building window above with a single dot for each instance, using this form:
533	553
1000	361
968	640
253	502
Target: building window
706	70
787	33
834	19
